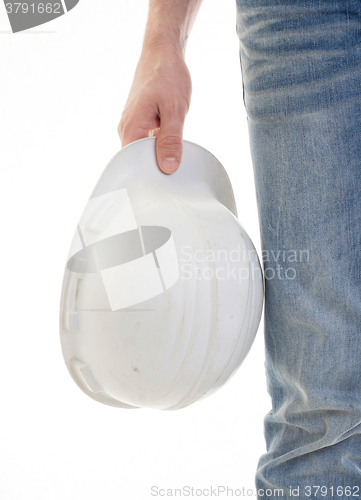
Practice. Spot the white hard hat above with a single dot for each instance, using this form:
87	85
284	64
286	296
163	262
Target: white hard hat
163	289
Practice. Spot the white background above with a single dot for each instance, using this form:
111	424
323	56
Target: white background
63	86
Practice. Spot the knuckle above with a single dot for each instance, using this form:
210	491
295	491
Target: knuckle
176	109
171	143
121	125
120	128
125	128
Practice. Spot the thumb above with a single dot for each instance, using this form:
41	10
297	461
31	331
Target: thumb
169	146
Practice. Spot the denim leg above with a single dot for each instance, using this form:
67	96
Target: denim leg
301	68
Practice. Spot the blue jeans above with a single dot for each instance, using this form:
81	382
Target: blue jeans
301	68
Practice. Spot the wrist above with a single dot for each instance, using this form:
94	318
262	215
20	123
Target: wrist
156	44
158	39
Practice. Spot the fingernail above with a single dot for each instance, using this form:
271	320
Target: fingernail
169	164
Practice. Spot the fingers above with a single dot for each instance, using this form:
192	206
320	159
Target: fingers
134	128
169	145
168	128
131	135
169	151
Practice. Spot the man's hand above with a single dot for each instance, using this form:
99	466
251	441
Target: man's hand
160	94
158	103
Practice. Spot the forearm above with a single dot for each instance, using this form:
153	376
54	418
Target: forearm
169	23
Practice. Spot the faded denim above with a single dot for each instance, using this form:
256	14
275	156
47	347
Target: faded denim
301	68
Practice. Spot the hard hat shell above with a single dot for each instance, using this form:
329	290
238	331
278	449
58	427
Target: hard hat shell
163	289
